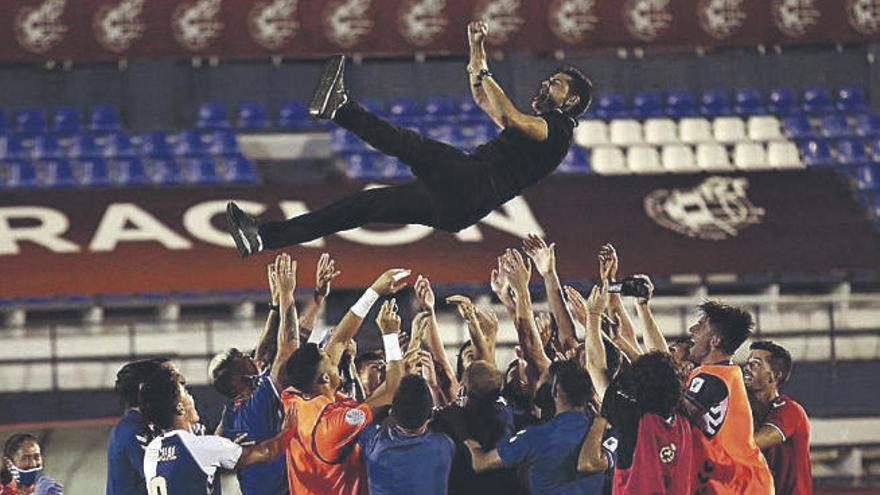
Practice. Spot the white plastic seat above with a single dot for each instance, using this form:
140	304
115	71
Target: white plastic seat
729	130
783	155
750	156
591	133
625	132
644	160
661	131
713	156
694	130
764	128
678	158
608	160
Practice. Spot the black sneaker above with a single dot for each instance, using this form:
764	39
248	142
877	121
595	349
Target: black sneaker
244	229
330	93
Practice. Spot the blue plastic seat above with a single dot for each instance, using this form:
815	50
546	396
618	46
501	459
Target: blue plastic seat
783	102
713	103
165	171
577	161
223	143
798	127
293	115
471	135
4	122
155	144
46	147
850	100
30	121
92	172
201	170
440	132
611	106
240	169
189	143
868	125
66	121
252	115
13	148
834	125
342	141
104	118
867	176
375	106
55	173
646	104
212	115
875	150
20	173
438	109
404	110
83	146
361	166
118	144
817	153
129	171
748	101
817	100
851	151
680	103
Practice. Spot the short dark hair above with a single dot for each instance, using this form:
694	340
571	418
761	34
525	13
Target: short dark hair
132	375
15	442
364	357
579	85
780	358
657	382
459	363
574	380
159	398
220	371
731	323
412	403
301	370
483	380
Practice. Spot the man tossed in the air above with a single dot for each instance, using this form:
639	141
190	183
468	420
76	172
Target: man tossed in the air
453	189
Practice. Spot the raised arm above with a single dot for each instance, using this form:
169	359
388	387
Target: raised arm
388	322
326	273
608	268
653	337
501	287
544	257
589	312
265	349
288	325
482	327
477	31
518	272
434	342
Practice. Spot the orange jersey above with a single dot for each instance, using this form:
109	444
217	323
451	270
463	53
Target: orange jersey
726	457
323	457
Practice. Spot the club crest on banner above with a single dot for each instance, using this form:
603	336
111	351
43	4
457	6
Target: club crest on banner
348	22
118	26
795	18
647	19
572	20
504	17
197	24
420	22
864	16
272	24
721	19
716	210
38	28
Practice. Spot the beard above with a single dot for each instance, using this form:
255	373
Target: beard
542	103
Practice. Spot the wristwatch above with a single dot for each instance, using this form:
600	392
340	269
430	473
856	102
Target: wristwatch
484	73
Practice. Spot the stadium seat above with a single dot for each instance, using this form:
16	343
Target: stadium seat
189	143
608	160
678	158
624	132
13	148
646	104
611	106
66	121
817	100
404	110
239	169
693	130
643	160
713	157
783	155
783	102
577	161
850	100
469	112
834	126
660	131
129	171
439	109
764	128
20	174
46	147
55	173
83	146
750	156
817	153
155	145
444	133
866	177
868	125
471	135
223	143
747	102
165	170
713	103
30	121
342	141
680	104
4	122
377	106
851	151
91	171
875	151
118	145
361	166
293	115
104	118
798	127
201	170
252	116
729	130
591	133
212	115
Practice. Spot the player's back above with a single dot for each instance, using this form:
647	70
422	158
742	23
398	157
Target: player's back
662	461
180	463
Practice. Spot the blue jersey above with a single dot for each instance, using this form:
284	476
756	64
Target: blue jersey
180	463
550	453
261	417
404	464
125	455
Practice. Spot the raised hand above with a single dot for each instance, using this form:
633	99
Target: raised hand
608	262
545	327
419	330
285	277
391	281
326	273
598	299
517	270
464	305
542	255
388	320
273	283
488	321
477	32
577	302
649	284
500	285
424	293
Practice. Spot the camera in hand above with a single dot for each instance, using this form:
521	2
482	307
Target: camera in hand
630	286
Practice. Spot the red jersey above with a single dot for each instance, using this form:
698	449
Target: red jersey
662	462
790	460
9	489
323	457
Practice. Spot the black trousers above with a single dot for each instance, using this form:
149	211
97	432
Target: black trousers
451	190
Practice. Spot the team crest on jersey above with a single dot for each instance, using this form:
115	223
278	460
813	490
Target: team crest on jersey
420	22
347	22
646	20
272	24
118	27
38	28
196	25
667	453
795	18
355	417
716	210
864	16
504	18
572	20
721	18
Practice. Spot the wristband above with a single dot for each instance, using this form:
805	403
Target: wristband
484	73
392	347
363	305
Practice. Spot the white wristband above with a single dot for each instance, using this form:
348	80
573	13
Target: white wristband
392	347
363	305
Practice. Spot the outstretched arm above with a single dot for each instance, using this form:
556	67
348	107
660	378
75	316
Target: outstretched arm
544	257
326	273
653	337
288	326
264	351
518	273
425	296
589	312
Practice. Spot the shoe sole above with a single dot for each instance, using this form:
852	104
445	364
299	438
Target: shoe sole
236	232
332	73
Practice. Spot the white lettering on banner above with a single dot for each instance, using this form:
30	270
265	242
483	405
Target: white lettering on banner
795	18
572	20
348	22
39	28
721	18
52	225
504	17
517	219
272	24
292	209
114	228
117	27
197	24
197	220
864	16
646	20
421	21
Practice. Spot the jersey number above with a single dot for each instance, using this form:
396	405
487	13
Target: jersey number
158	486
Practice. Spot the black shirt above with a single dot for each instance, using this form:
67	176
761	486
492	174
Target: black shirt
624	414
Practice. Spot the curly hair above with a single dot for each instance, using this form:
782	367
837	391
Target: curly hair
732	324
657	383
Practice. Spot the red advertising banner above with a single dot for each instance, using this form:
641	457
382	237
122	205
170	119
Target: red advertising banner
69	242
93	30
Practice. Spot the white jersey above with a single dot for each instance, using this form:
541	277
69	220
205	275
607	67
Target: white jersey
180	463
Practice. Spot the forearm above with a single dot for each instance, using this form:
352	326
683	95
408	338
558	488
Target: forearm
288	337
384	393
527	332
438	352
264	351
627	330
592	458
654	339
564	320
265	451
309	317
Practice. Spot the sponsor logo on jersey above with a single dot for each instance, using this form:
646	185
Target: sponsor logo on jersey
667	453
355	417
38	28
